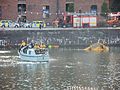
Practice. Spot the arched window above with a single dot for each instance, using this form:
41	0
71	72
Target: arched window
46	11
93	9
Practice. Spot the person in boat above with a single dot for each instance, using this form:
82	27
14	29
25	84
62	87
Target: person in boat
23	44
36	46
31	45
42	45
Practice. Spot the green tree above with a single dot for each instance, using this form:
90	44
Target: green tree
104	8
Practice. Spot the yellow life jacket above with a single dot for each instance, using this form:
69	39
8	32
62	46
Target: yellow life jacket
23	44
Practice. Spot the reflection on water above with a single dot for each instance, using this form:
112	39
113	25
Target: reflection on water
67	69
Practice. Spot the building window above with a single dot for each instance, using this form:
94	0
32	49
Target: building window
46	10
21	8
93	9
23	19
69	7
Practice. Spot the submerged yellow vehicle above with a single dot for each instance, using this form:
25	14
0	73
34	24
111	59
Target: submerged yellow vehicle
97	47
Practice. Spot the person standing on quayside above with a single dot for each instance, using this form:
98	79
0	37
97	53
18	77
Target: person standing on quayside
40	25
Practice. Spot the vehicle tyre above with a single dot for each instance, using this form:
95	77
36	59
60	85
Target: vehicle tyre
64	26
28	26
3	26
114	26
16	26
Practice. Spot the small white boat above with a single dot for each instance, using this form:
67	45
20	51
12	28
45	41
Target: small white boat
31	54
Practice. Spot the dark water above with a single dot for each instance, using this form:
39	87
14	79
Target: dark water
67	69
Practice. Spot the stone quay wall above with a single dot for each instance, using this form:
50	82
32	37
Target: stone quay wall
63	37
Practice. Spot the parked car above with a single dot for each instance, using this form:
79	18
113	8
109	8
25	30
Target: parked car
6	23
37	24
27	24
16	25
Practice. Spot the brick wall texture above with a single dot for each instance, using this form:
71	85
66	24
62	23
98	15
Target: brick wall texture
34	8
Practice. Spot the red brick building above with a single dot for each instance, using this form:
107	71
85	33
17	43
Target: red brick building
8	9
46	10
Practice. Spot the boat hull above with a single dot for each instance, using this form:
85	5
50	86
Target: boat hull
28	54
39	58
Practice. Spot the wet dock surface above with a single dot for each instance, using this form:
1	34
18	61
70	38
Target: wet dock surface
67	69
